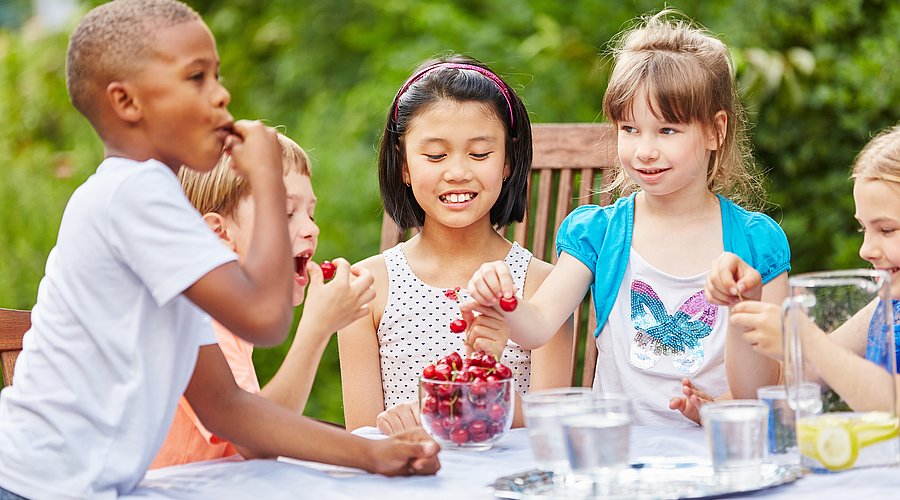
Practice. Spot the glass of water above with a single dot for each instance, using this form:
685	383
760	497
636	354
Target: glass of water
737	433
597	439
544	413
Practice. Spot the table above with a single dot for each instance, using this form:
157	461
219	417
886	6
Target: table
463	475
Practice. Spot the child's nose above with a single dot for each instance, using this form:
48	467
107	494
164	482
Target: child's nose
646	149
458	168
869	250
222	96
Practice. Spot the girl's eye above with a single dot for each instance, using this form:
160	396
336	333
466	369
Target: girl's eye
435	157
667	131
481	156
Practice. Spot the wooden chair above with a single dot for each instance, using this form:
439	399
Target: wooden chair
13	325
571	164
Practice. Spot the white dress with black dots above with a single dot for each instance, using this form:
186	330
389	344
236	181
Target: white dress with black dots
415	328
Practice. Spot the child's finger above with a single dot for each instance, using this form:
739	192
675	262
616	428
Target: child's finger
314	272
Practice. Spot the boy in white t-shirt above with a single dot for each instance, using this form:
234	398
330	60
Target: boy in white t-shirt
136	273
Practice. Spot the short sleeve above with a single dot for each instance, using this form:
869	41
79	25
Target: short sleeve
580	234
159	235
769	249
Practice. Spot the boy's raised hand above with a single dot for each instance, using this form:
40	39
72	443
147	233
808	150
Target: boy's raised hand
411	452
333	305
254	148
731	280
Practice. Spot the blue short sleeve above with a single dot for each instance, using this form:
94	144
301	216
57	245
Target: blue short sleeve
757	239
580	234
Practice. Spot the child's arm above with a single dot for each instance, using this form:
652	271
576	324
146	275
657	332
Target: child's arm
838	358
262	428
360	359
751	356
551	364
253	299
536	320
328	308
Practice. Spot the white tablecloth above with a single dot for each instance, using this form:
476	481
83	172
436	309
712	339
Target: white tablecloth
465	475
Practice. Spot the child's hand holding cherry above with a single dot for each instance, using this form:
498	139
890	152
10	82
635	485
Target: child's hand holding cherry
338	295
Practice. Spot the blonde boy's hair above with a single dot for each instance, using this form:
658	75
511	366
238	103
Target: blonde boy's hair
111	42
880	158
220	190
688	76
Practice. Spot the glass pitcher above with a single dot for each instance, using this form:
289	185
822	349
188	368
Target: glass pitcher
833	435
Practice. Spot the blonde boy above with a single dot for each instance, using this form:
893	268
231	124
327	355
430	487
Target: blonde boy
226	203
135	273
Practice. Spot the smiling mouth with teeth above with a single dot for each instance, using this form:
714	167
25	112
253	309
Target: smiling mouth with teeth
457	197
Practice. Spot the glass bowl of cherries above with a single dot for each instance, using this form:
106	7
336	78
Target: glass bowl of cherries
466	404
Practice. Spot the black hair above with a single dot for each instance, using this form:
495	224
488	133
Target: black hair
459	85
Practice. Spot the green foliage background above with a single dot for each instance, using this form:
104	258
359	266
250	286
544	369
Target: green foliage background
817	78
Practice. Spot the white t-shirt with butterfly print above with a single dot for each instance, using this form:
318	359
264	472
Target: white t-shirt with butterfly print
661	330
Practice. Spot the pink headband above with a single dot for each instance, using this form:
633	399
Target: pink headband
447	65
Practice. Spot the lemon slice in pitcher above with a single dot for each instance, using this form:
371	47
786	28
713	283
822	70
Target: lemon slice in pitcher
836	447
828	439
874	427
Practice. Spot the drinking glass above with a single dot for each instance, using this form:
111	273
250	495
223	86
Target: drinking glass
737	432
832	435
597	439
544	413
782	434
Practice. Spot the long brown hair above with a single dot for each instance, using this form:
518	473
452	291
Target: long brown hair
688	76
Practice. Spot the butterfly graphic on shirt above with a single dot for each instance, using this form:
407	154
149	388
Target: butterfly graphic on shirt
677	335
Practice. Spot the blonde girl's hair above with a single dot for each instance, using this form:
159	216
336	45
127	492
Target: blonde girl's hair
220	189
880	158
688	76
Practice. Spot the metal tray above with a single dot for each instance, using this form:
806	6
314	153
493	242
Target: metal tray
650	478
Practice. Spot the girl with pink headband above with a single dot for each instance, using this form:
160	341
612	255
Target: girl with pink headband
453	163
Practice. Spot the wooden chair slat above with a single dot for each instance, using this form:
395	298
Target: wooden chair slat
13	325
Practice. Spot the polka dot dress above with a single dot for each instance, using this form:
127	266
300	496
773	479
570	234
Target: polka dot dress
414	329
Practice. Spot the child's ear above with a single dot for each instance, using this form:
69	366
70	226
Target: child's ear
404	173
717	134
121	100
217	224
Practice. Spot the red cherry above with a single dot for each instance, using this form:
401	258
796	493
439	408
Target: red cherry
509	305
458	325
454	359
327	270
428	371
502	371
488	360
430	405
496	412
459	435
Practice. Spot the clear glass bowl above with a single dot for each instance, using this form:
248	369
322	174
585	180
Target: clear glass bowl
470	415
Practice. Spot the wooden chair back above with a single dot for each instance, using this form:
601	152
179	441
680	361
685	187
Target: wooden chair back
572	162
13	325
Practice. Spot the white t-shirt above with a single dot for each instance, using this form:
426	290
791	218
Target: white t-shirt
113	342
660	330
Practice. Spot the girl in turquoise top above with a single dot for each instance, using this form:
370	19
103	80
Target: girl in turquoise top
683	159
876	193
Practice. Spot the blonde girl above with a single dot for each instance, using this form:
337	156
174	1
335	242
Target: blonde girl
684	166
